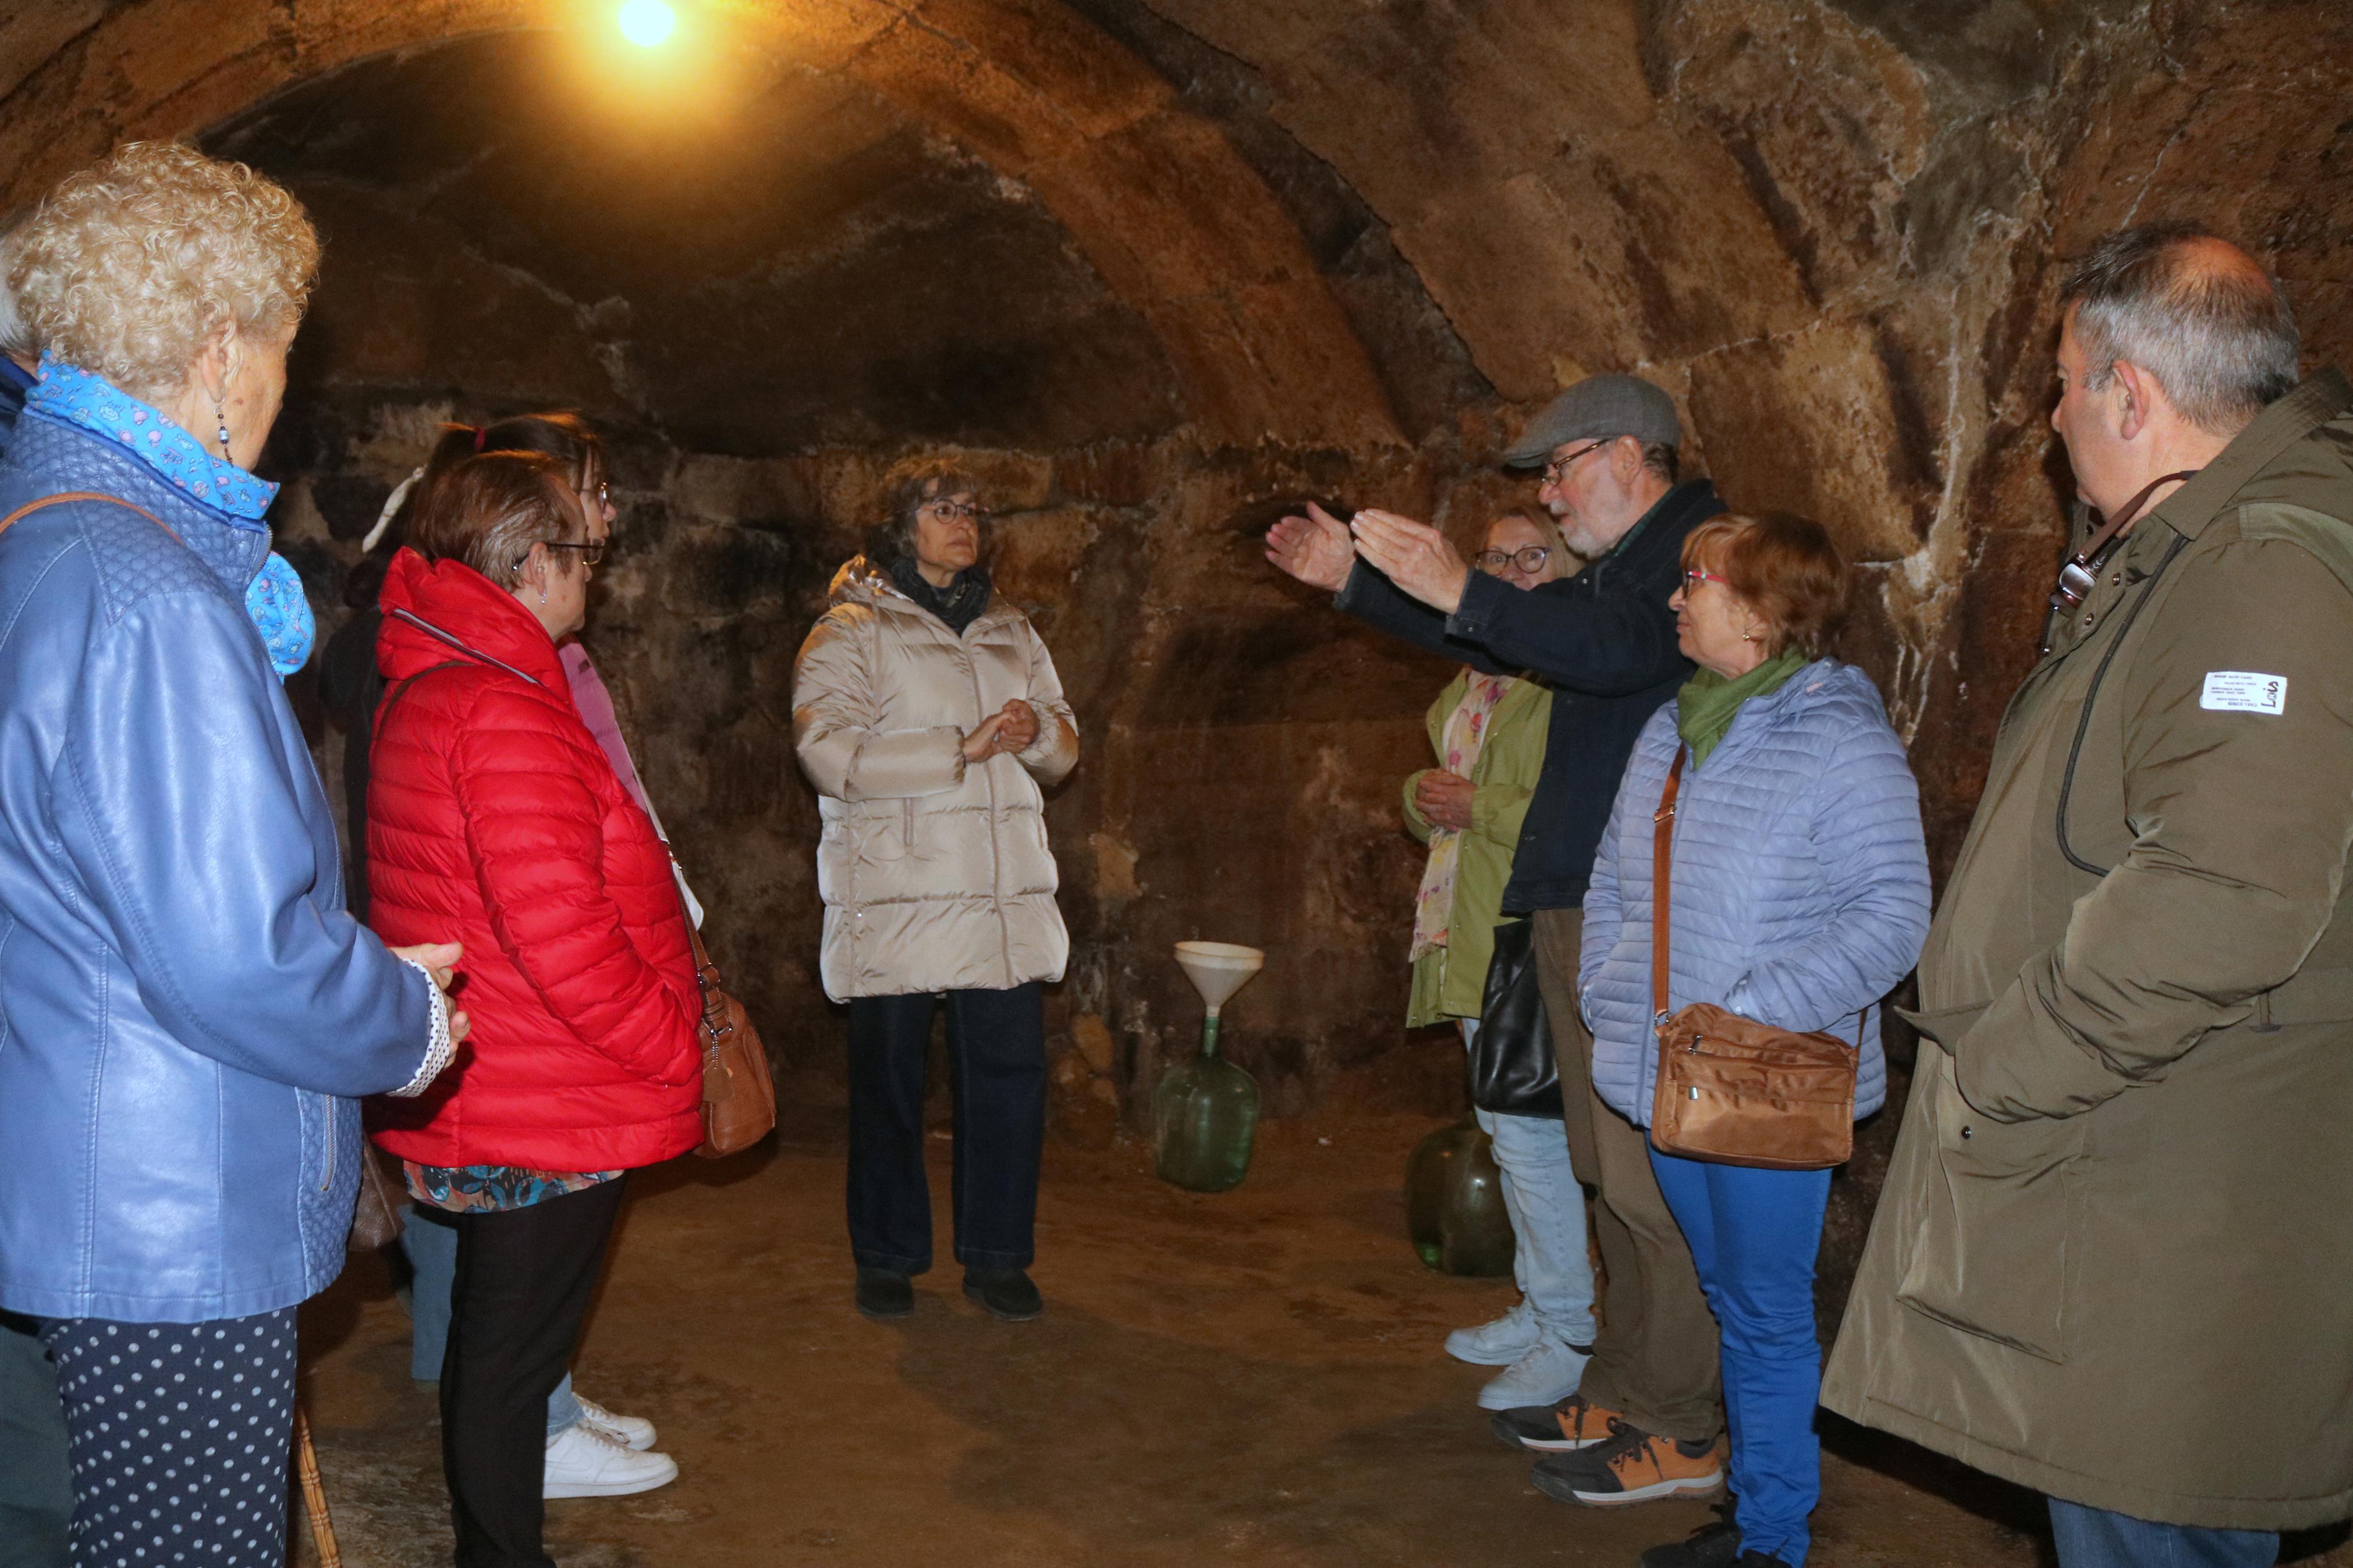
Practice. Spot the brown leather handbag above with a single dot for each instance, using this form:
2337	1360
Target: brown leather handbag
1730	1089
739	1097
376	1215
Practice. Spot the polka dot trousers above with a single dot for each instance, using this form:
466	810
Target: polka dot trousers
178	1435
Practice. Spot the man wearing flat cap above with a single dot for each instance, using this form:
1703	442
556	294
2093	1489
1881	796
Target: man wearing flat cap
1644	1421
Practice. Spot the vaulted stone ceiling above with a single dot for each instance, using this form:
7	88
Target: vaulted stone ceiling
1162	266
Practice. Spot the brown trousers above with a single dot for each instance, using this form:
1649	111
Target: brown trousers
1655	1359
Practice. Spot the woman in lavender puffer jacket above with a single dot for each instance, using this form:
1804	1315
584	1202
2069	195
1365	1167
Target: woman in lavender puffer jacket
1801	899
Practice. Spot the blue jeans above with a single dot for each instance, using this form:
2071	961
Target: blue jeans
1753	1237
2095	1537
997	1080
431	1243
1549	1260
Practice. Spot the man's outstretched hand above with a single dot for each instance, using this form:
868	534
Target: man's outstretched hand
1315	549
1413	555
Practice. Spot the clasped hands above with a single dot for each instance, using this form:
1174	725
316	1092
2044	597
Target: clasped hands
1011	728
1444	799
1320	549
439	959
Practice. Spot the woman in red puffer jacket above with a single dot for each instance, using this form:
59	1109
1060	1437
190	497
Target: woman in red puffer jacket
494	817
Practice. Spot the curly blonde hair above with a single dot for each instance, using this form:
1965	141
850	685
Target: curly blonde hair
129	267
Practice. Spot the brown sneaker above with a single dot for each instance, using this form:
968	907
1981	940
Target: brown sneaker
1632	1466
1574	1422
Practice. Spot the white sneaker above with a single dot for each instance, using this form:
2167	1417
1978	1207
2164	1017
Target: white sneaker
1498	1343
629	1431
1545	1376
582	1462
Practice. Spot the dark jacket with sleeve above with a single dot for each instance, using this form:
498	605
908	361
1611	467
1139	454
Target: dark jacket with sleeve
2110	1260
1604	640
190	1015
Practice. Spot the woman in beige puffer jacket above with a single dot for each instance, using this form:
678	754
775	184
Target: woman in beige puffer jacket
928	714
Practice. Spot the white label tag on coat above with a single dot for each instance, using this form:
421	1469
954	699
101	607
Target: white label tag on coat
2244	692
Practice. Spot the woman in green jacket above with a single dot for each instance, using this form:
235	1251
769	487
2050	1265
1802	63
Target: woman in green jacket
1489	734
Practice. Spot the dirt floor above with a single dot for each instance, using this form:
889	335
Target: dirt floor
1253	1378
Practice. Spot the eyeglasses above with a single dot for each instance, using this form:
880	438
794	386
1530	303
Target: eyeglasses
1694	577
1559	466
1530	561
602	494
591	553
951	510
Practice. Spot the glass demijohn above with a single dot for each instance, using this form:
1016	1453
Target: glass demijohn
1205	1110
1454	1203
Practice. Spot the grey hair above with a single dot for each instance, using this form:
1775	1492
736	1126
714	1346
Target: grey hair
2218	335
1663	460
17	338
911	482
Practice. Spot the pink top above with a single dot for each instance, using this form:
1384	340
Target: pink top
595	705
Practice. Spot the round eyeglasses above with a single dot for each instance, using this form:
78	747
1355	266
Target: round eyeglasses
953	511
1530	561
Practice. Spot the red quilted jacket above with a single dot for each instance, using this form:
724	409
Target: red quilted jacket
495	819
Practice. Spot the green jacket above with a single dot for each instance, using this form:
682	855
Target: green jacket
1450	981
2113	1259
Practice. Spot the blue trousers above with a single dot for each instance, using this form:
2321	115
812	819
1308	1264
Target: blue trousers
1550	1262
430	1242
997	1077
178	1437
1753	1236
2095	1537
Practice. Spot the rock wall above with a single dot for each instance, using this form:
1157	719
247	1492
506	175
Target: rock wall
1161	267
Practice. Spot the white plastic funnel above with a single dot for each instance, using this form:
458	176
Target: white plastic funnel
1217	969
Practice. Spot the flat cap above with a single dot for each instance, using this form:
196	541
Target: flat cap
1598	408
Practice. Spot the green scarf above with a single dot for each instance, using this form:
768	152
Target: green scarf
1706	705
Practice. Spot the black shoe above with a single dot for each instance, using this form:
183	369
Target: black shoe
884	1293
1714	1545
1006	1293
1571	1423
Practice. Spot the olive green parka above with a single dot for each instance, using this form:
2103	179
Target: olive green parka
2114	1257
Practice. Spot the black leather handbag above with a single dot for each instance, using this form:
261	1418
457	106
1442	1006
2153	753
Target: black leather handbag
1513	1070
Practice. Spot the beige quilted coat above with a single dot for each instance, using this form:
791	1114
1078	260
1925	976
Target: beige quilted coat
936	875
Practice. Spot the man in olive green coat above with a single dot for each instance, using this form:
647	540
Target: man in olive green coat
2113	1257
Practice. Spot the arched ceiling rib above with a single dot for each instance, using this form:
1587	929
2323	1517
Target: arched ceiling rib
1171	217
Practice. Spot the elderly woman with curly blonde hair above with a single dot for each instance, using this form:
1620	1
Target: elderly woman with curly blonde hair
190	1015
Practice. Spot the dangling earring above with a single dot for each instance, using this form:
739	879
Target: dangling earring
542	592
220	417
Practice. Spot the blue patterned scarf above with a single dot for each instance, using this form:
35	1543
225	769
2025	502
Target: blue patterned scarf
274	600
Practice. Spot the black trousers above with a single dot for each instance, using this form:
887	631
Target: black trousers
524	1277
997	1070
37	1492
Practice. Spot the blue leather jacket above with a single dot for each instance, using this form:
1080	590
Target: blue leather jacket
186	1014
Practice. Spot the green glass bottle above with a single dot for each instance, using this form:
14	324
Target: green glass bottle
1205	1110
1454	1210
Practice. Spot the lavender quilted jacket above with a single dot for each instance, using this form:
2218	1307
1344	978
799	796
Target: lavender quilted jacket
1800	880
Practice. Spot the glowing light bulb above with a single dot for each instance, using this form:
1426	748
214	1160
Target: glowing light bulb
647	22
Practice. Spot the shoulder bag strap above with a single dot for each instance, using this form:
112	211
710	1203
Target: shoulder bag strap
30	507
401	690
1662	861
